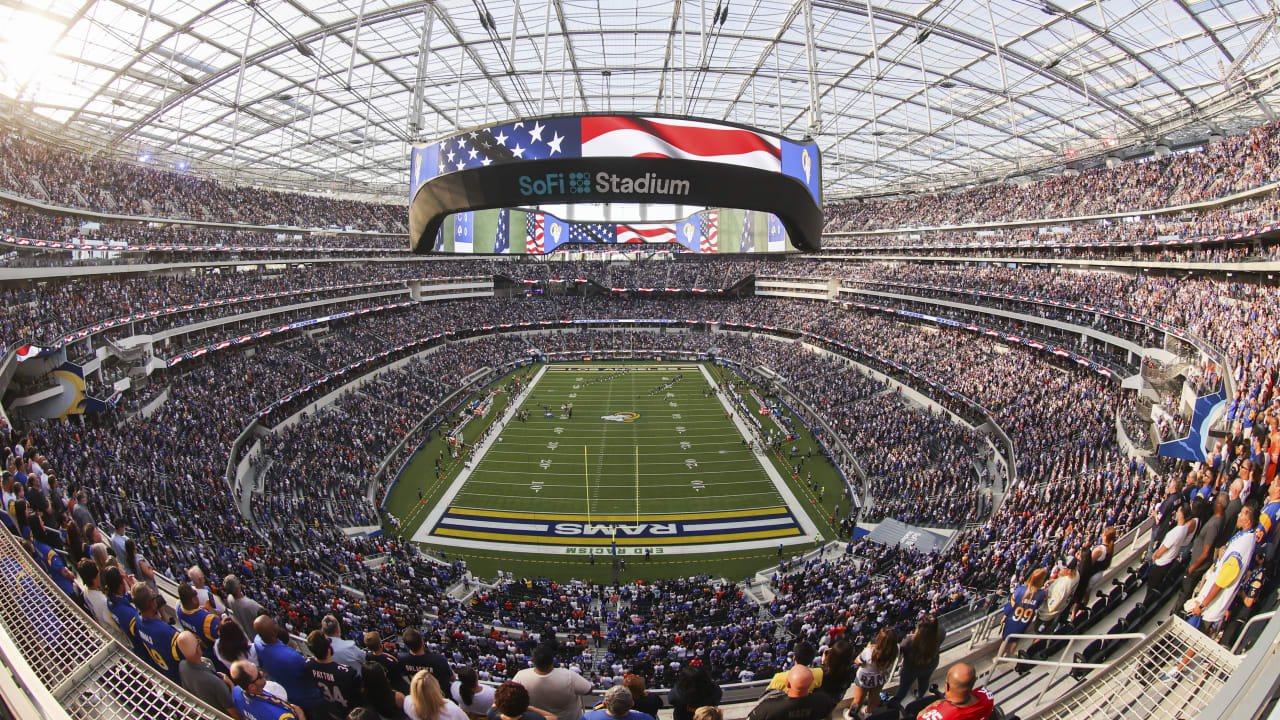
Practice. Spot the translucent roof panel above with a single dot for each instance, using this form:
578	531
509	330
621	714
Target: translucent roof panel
899	95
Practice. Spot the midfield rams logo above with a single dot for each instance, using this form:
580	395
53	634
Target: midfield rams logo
624	417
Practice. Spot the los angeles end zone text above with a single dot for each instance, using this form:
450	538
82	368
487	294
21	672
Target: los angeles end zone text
634	460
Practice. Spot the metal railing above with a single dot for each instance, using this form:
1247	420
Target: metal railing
63	656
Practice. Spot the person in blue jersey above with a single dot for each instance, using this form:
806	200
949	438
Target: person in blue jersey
197	618
1020	610
252	699
121	610
1268	519
286	666
52	562
157	636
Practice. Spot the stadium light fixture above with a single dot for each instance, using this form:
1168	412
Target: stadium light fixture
145	157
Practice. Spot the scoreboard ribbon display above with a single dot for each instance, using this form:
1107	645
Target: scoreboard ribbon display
613	158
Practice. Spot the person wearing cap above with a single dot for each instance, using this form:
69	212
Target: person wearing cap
618	704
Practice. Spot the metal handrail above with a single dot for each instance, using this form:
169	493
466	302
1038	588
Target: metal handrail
1062	661
1235	647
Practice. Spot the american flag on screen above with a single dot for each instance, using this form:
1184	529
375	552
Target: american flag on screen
593	233
533	233
502	235
748	242
609	136
646	233
711	233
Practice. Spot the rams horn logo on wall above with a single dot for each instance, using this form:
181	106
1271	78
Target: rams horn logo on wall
625	417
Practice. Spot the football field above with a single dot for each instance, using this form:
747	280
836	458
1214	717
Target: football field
637	459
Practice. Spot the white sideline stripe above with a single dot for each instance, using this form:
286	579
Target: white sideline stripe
767	522
549	498
789	498
549	474
423	531
493	524
579	484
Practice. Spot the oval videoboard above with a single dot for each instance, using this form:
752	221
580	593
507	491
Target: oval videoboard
616	159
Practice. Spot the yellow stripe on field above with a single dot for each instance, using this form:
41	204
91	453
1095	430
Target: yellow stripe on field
597	519
579	540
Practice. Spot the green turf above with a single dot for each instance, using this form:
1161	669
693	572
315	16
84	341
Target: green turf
729	473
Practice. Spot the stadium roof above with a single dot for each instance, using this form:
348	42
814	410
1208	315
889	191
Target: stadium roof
900	95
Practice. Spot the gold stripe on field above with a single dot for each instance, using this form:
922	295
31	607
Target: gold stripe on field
597	519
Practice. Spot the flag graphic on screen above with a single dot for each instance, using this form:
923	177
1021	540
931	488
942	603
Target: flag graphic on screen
502	235
533	233
646	233
710	238
555	232
689	233
748	242
464	232
609	136
592	233
777	234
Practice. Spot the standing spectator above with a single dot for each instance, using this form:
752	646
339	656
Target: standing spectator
1163	513
643	700
694	688
118	537
339	684
797	702
252	699
1202	549
96	600
474	698
553	689
419	658
244	610
803	653
511	702
206	596
375	652
920	651
1020	610
344	651
1058	597
286	666
1223	581
123	613
157	636
199	678
233	644
378	694
618	705
875	663
838	669
1166	554
196	618
960	701
426	702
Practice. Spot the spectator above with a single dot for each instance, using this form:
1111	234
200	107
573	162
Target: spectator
199	678
159	639
1220	584
378	694
118	537
375	652
1166	554
644	701
233	644
252	699
511	702
804	654
206	597
693	689
960	701
244	610
920	652
796	702
286	666
474	698
419	658
345	651
1021	607
338	683
708	712
556	690
1058	596
838	669
96	600
874	663
618	705
197	619
123	614
426	702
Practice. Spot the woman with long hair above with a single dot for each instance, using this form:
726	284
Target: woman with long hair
474	698
874	665
378	693
694	688
232	644
426	702
1021	609
837	669
920	651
